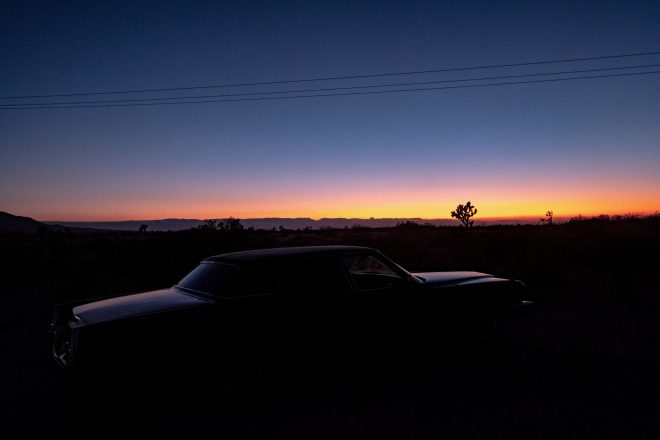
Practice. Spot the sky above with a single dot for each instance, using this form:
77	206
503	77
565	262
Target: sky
575	147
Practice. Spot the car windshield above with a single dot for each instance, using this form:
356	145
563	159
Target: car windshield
209	278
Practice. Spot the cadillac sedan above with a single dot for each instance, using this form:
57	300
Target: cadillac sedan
236	313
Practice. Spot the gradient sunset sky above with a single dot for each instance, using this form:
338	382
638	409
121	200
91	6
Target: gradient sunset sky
574	147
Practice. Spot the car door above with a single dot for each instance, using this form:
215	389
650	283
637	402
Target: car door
382	310
245	310
317	305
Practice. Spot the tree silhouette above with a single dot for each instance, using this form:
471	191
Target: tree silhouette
464	213
143	228
208	225
232	225
548	218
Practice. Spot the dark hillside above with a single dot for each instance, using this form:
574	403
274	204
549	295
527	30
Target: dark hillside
14	223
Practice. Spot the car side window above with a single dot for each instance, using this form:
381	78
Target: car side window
313	277
370	273
255	280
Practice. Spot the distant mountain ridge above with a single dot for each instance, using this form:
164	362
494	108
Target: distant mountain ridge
174	224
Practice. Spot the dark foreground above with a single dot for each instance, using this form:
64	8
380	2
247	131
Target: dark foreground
546	379
585	363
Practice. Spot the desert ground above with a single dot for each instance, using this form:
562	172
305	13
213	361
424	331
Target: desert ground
583	364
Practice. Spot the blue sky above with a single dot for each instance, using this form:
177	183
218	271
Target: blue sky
578	147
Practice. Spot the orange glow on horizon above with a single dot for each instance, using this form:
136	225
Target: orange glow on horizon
492	210
357	200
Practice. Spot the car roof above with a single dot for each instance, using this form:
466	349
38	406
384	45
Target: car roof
285	252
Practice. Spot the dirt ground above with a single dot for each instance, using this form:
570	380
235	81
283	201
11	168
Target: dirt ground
584	363
558	372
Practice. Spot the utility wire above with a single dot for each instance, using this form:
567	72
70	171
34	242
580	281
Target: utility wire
330	89
373	92
333	78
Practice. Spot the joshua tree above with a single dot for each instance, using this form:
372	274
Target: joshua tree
464	212
548	218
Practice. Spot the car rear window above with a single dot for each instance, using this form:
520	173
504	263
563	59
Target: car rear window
209	277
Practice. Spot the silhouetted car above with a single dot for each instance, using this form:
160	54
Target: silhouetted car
235	312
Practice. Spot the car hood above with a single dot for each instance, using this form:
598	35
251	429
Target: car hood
134	305
452	278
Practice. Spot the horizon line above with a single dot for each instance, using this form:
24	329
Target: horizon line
491	218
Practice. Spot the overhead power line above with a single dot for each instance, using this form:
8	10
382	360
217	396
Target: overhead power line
372	92
330	89
335	78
